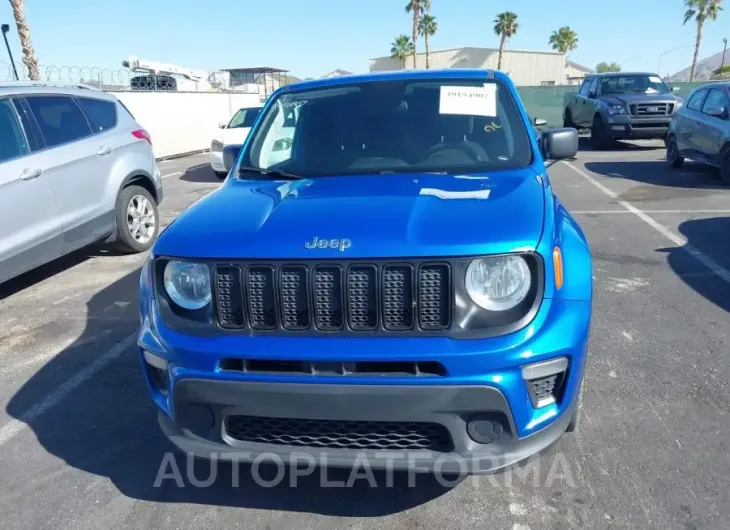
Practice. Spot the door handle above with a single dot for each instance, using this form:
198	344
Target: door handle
30	174
104	151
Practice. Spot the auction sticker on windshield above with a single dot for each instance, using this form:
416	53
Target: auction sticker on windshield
469	100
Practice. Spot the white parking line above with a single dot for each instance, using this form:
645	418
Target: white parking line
172	174
677	239
591	212
15	426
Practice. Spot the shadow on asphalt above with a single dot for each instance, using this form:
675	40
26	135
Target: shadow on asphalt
50	269
708	236
619	146
108	427
657	172
200	173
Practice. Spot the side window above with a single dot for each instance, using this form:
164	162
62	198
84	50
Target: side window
715	100
12	139
594	86
695	101
584	87
59	118
102	114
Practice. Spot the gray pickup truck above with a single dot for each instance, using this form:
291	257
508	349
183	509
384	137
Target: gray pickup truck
616	106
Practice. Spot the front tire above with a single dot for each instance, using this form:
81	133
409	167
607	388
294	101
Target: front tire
568	120
725	166
674	159
138	221
574	424
599	137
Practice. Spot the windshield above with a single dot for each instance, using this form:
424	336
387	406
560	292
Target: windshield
414	125
645	84
244	118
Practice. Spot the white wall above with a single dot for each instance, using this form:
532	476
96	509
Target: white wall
180	122
525	68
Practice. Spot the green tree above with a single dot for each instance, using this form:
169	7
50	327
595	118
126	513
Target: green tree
564	40
427	27
505	25
401	48
603	67
418	8
700	11
29	58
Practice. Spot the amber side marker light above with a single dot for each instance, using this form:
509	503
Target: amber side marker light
558	267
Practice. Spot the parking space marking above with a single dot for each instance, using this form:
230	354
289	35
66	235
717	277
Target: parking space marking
172	174
677	239
16	426
591	212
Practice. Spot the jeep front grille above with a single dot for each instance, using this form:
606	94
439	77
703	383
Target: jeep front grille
326	298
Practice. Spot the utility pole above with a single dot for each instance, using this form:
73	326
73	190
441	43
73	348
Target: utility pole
722	61
5	28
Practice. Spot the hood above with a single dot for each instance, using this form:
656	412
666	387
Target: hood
403	215
628	99
234	136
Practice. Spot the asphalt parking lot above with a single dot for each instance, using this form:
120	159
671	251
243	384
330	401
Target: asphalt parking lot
80	446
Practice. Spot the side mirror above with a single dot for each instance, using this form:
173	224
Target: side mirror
675	89
559	144
230	154
539	122
222	124
591	94
717	112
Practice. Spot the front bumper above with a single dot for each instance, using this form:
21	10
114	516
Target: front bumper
458	410
623	126
216	161
483	381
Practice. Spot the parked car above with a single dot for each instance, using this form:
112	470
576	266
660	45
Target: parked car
75	169
404	287
231	135
700	130
625	105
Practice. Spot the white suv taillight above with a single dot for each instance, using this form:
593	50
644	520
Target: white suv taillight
142	135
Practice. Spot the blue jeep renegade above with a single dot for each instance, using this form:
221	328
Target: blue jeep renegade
385	275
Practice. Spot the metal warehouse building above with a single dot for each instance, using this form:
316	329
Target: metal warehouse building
526	68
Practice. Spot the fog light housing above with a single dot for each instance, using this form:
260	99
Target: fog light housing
157	372
545	381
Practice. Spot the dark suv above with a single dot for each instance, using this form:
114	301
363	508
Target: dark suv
621	106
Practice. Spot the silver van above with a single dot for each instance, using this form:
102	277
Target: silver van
75	169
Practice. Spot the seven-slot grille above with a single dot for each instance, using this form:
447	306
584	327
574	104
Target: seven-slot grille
332	297
651	109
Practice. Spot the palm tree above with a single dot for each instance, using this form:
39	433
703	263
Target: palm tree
418	8
505	25
564	40
428	28
29	58
700	10
401	48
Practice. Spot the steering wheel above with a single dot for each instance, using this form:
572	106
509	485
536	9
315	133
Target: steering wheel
465	148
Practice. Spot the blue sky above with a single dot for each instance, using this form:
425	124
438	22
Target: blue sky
312	37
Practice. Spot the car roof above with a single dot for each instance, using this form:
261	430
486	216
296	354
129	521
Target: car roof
16	88
397	75
619	74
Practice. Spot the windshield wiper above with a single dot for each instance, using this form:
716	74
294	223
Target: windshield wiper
276	173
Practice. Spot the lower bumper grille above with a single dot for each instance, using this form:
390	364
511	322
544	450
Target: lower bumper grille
335	434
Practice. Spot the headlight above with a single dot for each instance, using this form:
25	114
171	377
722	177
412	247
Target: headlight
499	283
613	110
215	145
188	284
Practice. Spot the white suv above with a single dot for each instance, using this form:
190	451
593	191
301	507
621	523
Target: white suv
75	169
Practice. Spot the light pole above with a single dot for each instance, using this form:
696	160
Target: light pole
722	62
659	68
5	28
